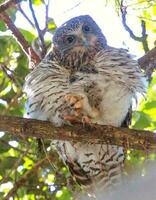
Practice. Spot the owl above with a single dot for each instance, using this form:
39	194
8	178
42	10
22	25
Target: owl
83	78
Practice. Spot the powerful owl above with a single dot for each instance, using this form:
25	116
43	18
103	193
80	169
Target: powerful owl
85	79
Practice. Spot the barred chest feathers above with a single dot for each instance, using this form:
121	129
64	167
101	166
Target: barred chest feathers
110	90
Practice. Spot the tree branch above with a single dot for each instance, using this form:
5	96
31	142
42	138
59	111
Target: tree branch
25	16
143	37
147	58
41	37
25	177
137	139
8	4
148	62
13	168
20	38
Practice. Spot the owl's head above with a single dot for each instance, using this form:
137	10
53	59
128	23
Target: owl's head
77	41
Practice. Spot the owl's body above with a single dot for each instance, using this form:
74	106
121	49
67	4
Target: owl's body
105	78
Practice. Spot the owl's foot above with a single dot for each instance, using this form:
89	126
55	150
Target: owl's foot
86	120
76	102
81	110
70	118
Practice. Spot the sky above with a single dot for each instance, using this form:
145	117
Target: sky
104	14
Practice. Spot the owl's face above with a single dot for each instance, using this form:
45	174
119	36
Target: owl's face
77	41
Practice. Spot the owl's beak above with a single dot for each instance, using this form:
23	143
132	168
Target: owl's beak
85	42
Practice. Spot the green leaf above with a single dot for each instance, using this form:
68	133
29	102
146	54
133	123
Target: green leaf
37	2
150	105
3	147
8	163
28	163
2	195
28	35
22	67
154	9
2	26
141	120
51	25
2	1
2	106
146	14
63	194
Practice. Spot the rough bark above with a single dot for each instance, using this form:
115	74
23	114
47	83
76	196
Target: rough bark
129	138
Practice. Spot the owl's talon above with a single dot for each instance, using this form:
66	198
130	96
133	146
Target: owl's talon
86	120
78	104
77	112
71	99
70	118
74	100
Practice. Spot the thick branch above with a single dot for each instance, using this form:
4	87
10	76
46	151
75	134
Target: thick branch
148	63
20	38
147	58
8	4
128	138
15	31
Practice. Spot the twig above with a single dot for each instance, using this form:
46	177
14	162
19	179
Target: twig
12	103
146	19
43	47
25	16
15	148
137	139
4	66
46	15
20	38
14	168
143	38
5	69
26	176
46	18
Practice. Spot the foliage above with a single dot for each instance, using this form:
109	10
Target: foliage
18	156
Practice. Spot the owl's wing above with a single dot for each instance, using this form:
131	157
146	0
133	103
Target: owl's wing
46	87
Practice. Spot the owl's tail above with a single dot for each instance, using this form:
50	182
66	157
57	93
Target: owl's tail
105	177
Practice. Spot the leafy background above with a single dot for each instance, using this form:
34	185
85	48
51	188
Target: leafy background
20	156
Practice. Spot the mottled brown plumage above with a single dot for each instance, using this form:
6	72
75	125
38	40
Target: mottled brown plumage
83	76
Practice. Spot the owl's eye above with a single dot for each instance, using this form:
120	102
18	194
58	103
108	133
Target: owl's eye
86	28
70	39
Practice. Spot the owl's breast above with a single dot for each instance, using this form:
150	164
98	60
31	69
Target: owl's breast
106	100
112	99
115	102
